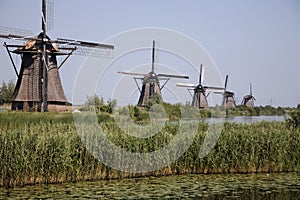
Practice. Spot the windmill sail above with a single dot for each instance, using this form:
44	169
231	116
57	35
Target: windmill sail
39	83
249	99
151	82
228	100
199	97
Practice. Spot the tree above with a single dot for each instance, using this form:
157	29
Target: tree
6	92
96	103
94	100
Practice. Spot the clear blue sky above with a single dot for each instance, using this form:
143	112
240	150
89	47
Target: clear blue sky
252	41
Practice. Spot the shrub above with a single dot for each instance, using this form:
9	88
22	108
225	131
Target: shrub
293	120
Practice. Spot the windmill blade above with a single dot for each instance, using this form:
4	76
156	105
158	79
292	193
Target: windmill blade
133	73
18	37
189	85
85	48
64	41
226	79
164	78
44	16
172	76
49	14
94	52
218	92
10	32
213	88
250	89
153	55
200	75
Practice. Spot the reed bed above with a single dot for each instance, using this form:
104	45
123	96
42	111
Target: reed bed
45	148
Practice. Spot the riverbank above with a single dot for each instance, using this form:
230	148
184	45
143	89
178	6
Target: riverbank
45	148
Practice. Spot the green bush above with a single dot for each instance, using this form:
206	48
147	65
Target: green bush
293	120
97	104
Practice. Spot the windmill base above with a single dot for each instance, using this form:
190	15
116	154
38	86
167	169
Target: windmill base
33	106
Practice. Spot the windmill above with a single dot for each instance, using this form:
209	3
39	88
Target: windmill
228	97
249	99
199	96
151	82
39	83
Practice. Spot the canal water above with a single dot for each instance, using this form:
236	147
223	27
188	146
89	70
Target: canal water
247	119
233	186
253	119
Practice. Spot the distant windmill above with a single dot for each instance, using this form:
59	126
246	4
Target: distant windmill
151	82
38	81
199	96
228	97
249	99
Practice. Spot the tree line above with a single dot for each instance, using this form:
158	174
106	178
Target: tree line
6	92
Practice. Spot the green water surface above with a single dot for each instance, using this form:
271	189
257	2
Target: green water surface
222	186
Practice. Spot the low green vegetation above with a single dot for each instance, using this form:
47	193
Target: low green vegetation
242	110
45	148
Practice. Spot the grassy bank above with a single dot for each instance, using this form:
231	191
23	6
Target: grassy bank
45	148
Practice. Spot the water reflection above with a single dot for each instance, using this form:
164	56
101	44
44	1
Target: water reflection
233	186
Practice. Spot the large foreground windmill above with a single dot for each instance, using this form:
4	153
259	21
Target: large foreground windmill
151	82
228	97
249	99
39	83
199	96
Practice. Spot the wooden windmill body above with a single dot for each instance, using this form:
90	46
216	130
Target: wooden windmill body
249	99
39	87
29	90
228	100
150	87
199	98
199	95
151	82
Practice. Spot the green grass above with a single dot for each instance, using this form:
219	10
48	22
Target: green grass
45	148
